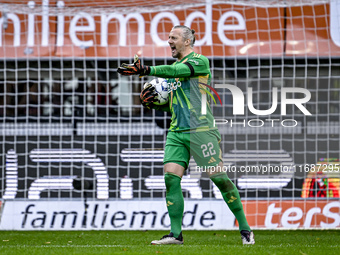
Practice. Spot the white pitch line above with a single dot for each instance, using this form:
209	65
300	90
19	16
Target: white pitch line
90	246
129	245
65	246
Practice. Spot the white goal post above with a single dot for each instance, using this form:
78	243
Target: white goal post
73	132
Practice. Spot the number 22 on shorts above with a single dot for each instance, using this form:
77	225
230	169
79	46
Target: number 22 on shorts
208	149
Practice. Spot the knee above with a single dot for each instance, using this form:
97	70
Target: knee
174	168
223	182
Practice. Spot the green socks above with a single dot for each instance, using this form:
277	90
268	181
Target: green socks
232	197
174	202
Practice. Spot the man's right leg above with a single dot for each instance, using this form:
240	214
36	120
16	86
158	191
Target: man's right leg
174	196
176	160
174	202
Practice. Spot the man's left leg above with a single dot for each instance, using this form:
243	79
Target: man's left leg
232	197
205	147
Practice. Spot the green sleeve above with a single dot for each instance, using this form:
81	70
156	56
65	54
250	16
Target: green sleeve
171	71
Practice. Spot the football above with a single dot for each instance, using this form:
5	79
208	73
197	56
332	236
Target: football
161	87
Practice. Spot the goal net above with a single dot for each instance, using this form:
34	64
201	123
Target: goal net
79	151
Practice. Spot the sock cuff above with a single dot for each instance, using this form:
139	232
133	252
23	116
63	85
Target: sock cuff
171	175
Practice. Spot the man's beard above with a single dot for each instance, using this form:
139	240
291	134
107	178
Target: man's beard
175	55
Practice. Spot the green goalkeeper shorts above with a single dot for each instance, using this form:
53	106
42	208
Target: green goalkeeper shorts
203	146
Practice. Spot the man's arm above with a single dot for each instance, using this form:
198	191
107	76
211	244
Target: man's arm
172	71
164	71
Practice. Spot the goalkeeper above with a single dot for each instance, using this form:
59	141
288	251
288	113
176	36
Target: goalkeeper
191	133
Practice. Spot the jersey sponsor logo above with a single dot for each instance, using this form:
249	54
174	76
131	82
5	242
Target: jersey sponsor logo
174	86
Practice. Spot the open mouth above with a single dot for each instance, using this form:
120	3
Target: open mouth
173	48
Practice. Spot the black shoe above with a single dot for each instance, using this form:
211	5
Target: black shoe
247	237
169	239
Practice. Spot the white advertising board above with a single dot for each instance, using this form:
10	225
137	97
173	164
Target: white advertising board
111	215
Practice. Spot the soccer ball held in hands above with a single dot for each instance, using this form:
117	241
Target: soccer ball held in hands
161	89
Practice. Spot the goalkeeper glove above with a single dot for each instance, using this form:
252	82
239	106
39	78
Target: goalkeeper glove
147	96
134	69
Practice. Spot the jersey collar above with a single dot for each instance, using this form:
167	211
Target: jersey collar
185	59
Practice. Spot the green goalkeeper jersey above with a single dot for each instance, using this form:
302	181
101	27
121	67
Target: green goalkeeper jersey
187	85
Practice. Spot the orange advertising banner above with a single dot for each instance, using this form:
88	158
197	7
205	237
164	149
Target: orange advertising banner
293	214
223	30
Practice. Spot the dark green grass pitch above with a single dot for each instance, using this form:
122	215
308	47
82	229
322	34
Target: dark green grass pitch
195	242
